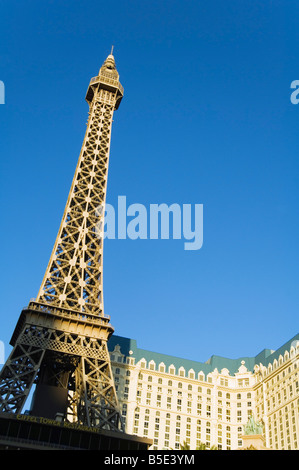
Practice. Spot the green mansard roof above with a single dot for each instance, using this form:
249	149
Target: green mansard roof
129	348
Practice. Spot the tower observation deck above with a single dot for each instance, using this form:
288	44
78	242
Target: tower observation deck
60	340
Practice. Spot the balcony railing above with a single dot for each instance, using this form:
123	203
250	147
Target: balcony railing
104	78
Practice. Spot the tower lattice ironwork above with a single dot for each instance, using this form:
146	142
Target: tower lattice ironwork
60	340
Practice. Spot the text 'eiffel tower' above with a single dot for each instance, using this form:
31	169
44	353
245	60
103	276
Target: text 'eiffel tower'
60	341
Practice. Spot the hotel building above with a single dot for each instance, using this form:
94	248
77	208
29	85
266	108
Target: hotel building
175	401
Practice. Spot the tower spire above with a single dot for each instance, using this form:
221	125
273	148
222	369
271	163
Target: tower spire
60	341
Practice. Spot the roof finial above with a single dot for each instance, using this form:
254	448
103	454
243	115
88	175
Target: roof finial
111	53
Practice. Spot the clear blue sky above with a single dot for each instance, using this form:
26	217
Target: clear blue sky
206	119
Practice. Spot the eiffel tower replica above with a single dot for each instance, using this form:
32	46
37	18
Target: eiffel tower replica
60	340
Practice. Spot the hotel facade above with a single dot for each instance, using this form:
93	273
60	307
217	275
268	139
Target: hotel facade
176	401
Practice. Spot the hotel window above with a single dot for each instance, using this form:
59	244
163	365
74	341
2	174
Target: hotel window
136	422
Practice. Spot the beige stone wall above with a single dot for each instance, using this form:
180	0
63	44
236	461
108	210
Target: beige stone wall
176	406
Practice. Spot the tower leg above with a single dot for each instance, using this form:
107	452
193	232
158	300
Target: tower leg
17	376
97	403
